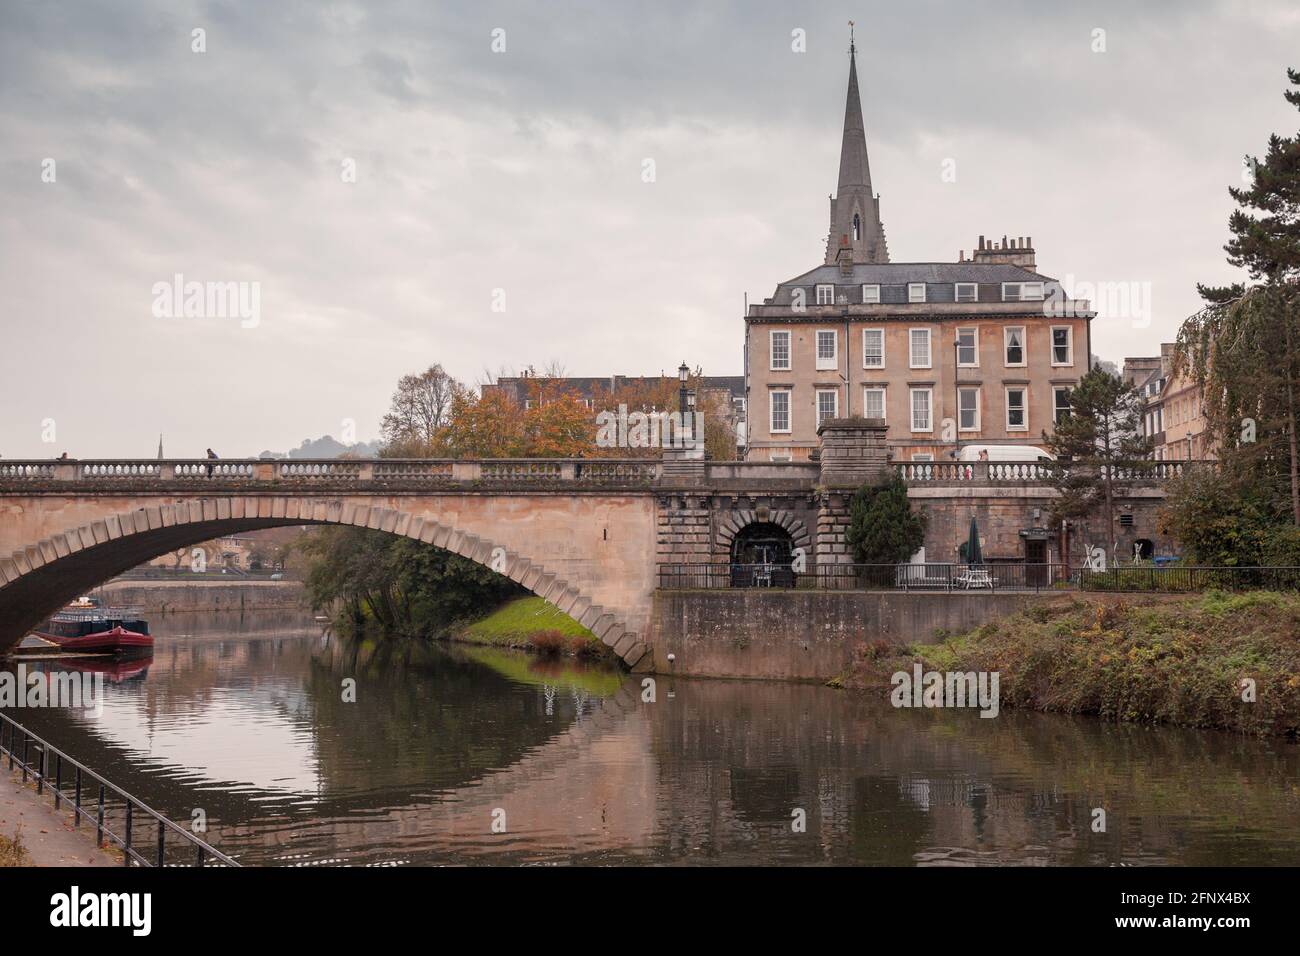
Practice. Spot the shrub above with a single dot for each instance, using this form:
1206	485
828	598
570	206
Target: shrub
547	643
883	529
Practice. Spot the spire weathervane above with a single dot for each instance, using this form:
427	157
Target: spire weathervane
851	49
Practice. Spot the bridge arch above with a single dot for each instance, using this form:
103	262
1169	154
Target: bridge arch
42	577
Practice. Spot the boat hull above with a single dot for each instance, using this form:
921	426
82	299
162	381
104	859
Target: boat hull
117	640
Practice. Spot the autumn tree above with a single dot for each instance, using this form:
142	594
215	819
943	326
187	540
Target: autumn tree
421	408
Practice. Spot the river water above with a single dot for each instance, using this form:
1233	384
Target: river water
451	754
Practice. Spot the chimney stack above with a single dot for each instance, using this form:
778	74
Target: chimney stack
1016	252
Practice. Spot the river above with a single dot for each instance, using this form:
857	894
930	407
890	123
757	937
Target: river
450	754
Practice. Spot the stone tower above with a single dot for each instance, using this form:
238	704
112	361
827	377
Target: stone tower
855	210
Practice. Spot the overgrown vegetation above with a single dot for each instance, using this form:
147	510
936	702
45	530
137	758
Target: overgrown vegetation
12	851
399	584
1178	661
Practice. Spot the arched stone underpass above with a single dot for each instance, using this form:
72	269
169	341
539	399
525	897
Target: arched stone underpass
44	575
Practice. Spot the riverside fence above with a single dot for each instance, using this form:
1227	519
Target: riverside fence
144	836
961	577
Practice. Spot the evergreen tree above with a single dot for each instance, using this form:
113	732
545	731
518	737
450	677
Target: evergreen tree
882	526
1243	348
1099	447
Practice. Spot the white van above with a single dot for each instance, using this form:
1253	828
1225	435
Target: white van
1004	453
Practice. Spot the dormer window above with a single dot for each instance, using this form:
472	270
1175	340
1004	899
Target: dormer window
825	295
967	292
1022	292
916	292
870	294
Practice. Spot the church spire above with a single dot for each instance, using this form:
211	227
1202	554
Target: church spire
855	210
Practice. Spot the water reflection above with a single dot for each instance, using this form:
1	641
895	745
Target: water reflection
247	719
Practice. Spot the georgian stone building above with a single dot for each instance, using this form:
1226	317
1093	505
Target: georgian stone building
983	350
1173	414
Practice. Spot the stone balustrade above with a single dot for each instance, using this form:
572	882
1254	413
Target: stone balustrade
1026	472
533	472
22	475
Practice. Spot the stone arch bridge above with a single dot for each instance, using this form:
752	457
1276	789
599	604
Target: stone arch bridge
589	536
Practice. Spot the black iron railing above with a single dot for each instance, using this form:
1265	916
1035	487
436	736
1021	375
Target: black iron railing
1008	576
145	836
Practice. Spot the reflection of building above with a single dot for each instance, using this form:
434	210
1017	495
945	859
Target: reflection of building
1173	416
982	349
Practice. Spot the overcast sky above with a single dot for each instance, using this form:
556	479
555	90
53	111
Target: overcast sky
523	171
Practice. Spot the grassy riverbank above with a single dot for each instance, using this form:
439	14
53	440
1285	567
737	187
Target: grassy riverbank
1180	661
531	623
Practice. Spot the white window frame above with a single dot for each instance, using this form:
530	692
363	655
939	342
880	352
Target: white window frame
979	402
835	400
870	294
771	410
825	364
911	408
829	289
975	333
1023	292
771	350
1069	345
911	350
881	333
916	292
1006	346
974	288
884	399
1056	408
1024	406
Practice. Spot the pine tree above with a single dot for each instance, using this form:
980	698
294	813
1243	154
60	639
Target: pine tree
883	529
1099	447
1243	348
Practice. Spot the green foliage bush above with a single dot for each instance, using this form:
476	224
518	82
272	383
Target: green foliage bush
883	529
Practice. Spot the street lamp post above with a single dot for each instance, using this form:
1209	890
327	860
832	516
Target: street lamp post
683	375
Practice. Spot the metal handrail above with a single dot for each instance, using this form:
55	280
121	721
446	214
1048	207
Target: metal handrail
204	852
993	575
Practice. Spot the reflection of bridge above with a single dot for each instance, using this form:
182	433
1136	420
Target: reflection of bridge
586	535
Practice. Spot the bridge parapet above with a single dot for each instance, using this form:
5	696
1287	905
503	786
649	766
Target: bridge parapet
28	475
1026	472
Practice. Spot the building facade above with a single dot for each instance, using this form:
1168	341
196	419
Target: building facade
1173	416
983	350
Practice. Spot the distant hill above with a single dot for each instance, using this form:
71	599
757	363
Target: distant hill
325	447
